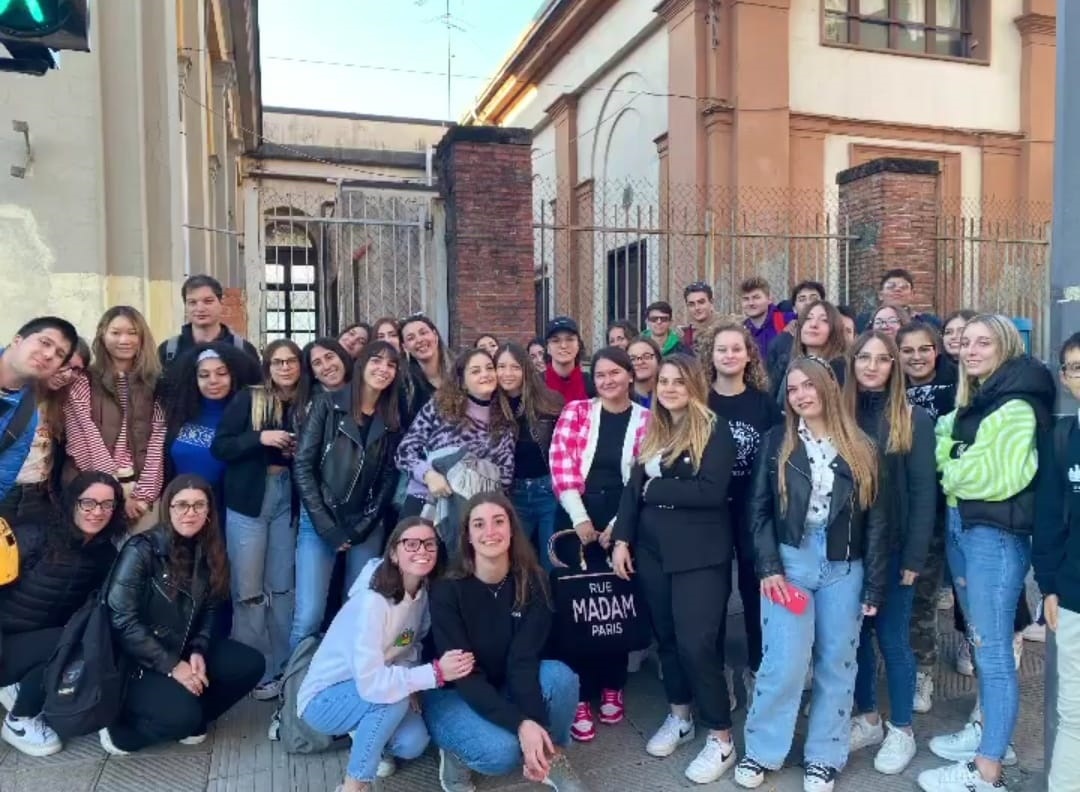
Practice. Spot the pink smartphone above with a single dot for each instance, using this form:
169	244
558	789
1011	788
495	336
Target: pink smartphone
797	599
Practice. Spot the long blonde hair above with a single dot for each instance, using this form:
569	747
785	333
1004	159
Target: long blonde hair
146	367
851	444
1009	345
670	440
897	407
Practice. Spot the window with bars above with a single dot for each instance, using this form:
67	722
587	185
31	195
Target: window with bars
290	284
945	28
627	283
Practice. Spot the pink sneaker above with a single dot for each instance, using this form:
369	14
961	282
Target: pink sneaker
611	707
583	729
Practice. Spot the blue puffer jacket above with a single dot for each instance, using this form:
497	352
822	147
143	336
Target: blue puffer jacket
11	460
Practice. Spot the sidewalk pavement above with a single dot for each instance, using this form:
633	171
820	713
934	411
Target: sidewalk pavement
237	757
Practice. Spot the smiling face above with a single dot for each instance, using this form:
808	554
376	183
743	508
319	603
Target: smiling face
416	551
802	396
814	332
952	334
612	381
213	378
188	511
918	355
730	355
805	297
873	365
480	380
122	340
659	322
699	307
888	320
420	341
94	508
980	353
644	360
354	340
284	368
509	373
328	368
385	331
538	357
671	389
490	531
755	303
379	372
896	291
564	347
66	374
616	337
39	355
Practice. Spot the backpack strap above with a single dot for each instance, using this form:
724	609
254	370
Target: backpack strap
171	346
20	419
238	341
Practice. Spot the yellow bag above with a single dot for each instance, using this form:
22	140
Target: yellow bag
9	554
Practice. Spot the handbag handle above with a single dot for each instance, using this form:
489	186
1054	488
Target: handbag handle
555	560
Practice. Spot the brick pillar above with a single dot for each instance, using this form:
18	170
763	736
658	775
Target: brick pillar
892	207
485	178
234	315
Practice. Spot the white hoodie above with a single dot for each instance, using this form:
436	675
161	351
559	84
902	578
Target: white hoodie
375	643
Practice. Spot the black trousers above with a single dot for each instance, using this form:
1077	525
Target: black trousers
23	661
749	588
159	709
689	617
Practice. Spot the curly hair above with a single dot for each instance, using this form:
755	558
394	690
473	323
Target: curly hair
754	375
452	400
181	554
183	399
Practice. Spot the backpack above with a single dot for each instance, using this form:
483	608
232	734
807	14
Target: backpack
85	678
286	725
172	346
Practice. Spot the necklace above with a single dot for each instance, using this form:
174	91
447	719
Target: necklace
495	591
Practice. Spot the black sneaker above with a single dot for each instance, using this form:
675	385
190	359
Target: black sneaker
818	778
749	774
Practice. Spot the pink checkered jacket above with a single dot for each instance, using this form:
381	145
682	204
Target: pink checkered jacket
573	447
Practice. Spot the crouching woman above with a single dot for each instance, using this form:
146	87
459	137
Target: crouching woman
365	675
513	712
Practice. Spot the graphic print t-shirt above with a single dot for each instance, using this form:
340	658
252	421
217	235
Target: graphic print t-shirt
750	414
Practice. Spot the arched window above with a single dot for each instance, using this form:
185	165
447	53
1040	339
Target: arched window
290	278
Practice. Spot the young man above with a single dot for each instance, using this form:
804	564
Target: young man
897	289
1055	557
39	350
763	320
847	316
700	308
806	292
658	315
202	297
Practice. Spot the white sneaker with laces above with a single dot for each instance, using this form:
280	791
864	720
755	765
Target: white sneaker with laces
923	701
964	663
961	746
8	694
31	736
673	732
713	761
961	777
864	733
896	752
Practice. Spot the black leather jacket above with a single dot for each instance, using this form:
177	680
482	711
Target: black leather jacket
157	622
853	533
346	482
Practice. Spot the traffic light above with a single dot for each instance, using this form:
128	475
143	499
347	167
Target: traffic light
30	29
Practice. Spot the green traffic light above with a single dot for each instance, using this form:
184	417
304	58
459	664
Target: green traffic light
32	17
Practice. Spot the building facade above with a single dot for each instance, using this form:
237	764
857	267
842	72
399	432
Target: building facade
135	177
702	138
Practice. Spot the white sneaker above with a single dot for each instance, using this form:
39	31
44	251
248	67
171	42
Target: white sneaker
1018	648
713	761
8	694
864	733
387	767
749	774
729	678
107	744
819	778
962	777
1036	633
945	600
673	732
31	736
896	752
964	664
194	739
961	746
267	690
923	701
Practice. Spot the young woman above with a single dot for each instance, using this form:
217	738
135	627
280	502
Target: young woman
535	408
620	333
645	356
366	674
345	475
513	712
429	362
461	421
930	373
595	443
538	355
988	456
256	440
354	338
564	351
904	436
733	365
819	331
112	420
33	497
821	548
62	559
162	595
954	329
386	329
202	383
325	367
888	319
674	517
488	343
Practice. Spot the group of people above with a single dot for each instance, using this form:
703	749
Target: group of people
410	508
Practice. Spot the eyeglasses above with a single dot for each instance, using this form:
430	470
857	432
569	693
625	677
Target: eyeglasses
414	545
892	286
894	322
865	359
1071	370
183	507
658	318
283	363
645	358
89	505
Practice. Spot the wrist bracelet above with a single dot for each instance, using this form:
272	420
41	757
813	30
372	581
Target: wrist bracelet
440	680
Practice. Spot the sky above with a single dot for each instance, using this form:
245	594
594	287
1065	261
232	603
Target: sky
370	51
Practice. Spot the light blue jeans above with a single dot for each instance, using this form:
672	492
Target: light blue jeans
262	573
314	567
998	561
489	749
535	503
826	632
377	728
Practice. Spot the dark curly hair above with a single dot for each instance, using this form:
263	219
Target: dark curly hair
182	399
181	553
452	400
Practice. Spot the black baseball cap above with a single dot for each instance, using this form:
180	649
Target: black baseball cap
561	324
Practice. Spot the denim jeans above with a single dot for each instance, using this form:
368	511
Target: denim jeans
262	573
998	562
892	628
828	633
395	728
534	501
489	749
314	567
